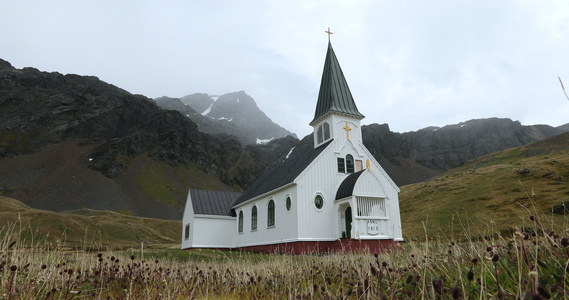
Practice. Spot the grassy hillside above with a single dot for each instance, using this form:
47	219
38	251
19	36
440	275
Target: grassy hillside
57	178
496	192
86	228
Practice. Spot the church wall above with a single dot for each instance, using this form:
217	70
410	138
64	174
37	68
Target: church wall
285	228
371	227
321	177
187	218
339	122
213	232
391	192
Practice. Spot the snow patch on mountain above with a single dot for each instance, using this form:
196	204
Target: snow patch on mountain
290	152
264	141
207	110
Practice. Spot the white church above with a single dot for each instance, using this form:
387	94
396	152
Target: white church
333	198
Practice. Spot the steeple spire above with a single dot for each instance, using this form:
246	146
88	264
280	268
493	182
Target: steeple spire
334	95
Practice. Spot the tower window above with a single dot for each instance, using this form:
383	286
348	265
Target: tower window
240	230
349	163
254	218
323	133
271	213
326	129
341	165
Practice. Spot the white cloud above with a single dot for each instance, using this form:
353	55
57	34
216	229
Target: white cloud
410	64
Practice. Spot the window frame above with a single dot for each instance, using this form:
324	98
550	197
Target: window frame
350	164
254	218
240	222
321	201
326	131
271	213
341	165
187	232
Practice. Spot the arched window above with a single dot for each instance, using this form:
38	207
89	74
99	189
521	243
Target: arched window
326	129
349	163
254	218
271	213
288	203
240	227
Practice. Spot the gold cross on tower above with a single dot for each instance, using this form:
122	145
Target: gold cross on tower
347	128
329	33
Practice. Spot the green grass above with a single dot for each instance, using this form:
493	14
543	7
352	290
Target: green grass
170	185
103	229
493	190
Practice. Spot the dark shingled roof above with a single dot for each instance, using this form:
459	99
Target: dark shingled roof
282	174
346	189
213	202
334	94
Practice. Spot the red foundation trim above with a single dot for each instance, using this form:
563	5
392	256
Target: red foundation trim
339	246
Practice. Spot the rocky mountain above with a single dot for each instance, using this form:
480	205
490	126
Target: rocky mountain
236	114
70	142
417	156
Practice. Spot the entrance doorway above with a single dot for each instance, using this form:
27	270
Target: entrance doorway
348	218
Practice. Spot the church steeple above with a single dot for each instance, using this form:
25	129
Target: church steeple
334	95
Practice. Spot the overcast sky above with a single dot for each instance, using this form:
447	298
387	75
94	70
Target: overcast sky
410	64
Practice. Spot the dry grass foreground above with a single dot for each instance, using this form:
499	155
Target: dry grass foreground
96	230
519	266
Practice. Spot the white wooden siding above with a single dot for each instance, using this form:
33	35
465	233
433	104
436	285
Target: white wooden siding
188	218
285	228
213	232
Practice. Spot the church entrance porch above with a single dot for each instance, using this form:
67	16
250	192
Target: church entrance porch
363	218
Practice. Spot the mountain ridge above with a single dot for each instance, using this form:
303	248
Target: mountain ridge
73	142
233	113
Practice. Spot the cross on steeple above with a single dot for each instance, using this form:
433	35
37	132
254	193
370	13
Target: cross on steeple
347	128
329	33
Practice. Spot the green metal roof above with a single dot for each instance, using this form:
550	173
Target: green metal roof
334	94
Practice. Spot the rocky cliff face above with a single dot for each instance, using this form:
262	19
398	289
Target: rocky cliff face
112	129
70	142
43	108
235	114
416	156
